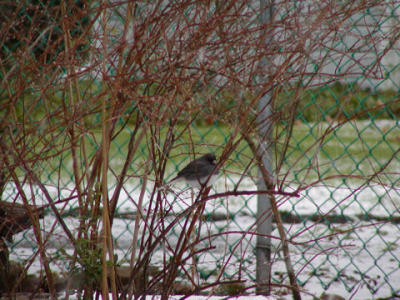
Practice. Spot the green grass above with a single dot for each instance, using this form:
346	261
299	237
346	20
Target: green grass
353	149
313	152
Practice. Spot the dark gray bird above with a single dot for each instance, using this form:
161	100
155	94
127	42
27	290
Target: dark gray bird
199	172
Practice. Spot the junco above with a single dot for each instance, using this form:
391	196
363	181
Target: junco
199	172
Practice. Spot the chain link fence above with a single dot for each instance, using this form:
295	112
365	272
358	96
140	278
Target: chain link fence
336	142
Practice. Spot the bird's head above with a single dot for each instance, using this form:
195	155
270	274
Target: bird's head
210	157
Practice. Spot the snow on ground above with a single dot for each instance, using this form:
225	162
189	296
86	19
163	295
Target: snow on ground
359	260
199	297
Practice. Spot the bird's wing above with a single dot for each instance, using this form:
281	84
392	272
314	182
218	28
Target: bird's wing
196	167
193	166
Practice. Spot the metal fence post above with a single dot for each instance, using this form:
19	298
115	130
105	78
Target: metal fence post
264	224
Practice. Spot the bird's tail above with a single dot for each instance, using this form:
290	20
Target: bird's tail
167	184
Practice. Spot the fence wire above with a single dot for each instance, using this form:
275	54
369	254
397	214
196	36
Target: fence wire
336	142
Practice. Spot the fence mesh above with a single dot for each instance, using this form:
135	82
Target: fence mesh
336	140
